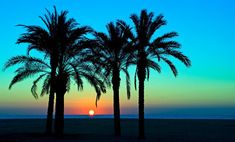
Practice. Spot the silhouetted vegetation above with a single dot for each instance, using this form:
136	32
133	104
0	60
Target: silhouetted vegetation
32	66
70	55
46	41
150	50
113	53
64	43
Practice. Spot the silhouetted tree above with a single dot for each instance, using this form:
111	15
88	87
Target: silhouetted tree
74	64
60	42
114	55
47	41
150	50
31	66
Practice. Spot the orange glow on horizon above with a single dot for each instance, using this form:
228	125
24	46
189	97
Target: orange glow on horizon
81	104
82	110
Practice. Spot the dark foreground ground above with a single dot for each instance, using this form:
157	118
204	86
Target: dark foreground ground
88	130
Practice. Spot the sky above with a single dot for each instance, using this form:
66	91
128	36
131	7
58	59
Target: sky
206	32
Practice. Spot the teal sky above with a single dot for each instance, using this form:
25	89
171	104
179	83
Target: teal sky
206	29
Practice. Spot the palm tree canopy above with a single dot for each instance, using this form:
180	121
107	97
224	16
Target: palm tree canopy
60	33
113	50
160	48
65	43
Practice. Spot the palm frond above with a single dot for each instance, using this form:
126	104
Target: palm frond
34	87
97	84
46	85
77	78
135	19
171	65
155	25
23	59
126	29
135	76
128	87
180	56
147	73
165	45
23	75
166	36
68	84
153	65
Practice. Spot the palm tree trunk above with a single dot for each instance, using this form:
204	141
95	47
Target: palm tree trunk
116	104
51	103
141	109
141	76
59	114
50	113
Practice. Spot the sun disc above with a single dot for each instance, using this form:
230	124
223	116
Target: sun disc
91	112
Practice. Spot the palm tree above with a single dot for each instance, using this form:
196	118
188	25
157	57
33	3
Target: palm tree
31	66
60	33
46	41
75	64
113	55
150	50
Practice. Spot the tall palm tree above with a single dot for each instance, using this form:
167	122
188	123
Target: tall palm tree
46	41
113	53
75	64
150	50
60	33
31	66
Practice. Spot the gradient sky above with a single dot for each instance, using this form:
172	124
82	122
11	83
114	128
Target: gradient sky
206	29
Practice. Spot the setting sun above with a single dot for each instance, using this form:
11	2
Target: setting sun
91	112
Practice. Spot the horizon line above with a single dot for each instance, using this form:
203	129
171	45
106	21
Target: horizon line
124	116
